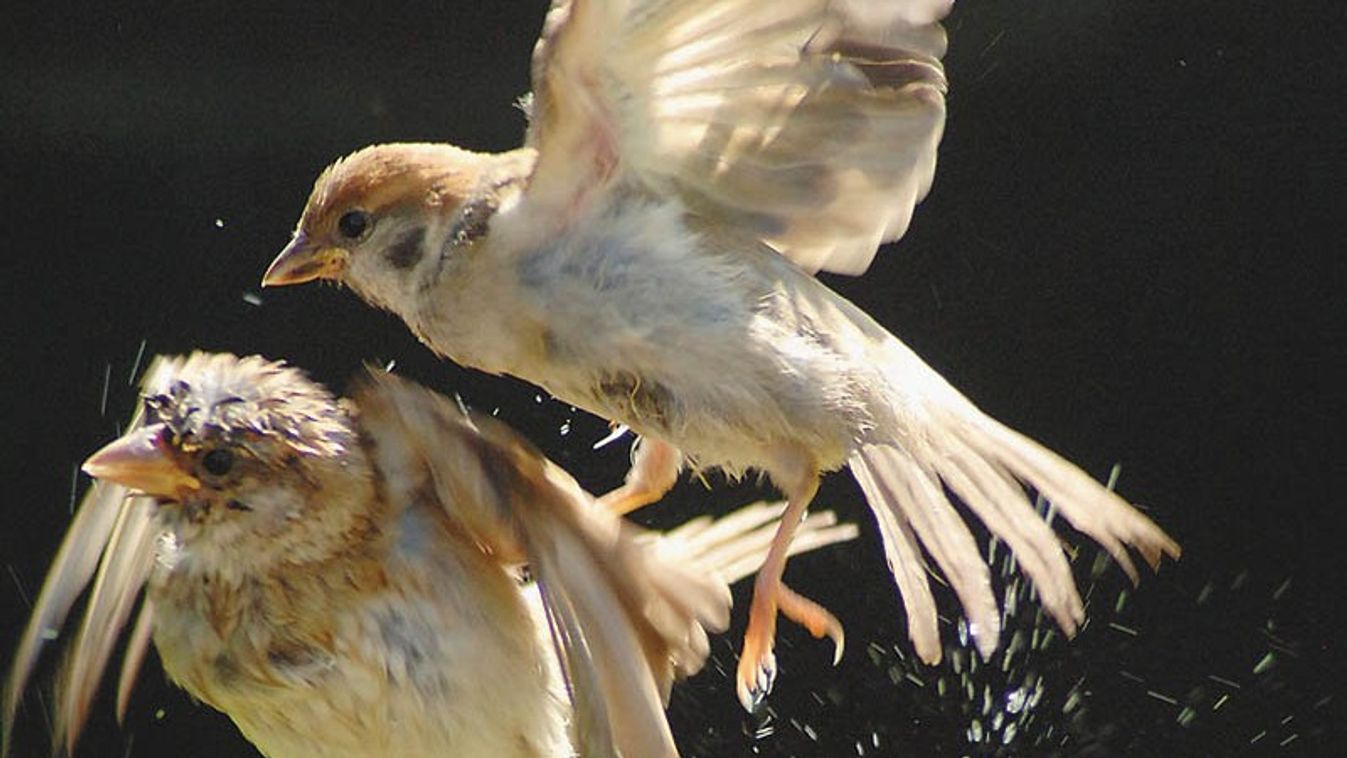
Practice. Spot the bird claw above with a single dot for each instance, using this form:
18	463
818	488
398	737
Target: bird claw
757	662
757	674
813	617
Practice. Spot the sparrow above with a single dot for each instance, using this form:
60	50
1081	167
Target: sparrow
342	577
650	253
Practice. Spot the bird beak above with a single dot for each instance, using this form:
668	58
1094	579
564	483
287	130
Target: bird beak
140	460
302	262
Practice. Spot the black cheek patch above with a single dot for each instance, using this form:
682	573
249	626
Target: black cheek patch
406	252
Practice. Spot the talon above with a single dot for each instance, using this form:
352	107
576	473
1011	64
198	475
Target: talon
814	617
755	679
757	662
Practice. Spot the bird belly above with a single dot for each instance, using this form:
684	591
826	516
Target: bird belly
730	424
651	324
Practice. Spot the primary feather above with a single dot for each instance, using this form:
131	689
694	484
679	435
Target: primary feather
811	123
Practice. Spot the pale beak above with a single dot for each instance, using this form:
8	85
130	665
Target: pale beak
140	460
302	262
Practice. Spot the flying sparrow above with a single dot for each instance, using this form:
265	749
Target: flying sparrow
342	577
648	255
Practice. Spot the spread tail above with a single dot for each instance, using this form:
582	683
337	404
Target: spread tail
959	449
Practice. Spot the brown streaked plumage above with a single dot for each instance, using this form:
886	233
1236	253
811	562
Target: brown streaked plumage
340	577
650	258
374	178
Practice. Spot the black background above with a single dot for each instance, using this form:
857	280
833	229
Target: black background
1131	252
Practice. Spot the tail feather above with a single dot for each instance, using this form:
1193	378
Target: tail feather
902	550
1000	502
916	513
987	466
1089	507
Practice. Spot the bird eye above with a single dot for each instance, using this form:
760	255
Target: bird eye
218	462
353	224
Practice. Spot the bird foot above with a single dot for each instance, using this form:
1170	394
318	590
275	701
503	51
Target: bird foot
654	470
814	617
757	662
622	501
757	674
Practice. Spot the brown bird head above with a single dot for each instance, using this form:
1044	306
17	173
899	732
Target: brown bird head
249	460
376	215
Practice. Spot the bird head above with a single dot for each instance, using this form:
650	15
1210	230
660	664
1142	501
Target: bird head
376	216
249	460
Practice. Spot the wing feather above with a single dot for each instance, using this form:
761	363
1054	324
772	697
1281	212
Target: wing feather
71	571
125	566
112	534
811	123
625	623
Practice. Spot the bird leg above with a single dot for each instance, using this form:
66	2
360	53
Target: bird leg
654	470
757	662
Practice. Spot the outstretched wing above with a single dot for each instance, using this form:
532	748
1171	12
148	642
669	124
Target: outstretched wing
812	124
625	623
113	534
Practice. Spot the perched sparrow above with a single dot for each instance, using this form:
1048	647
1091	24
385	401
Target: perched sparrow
340	577
649	256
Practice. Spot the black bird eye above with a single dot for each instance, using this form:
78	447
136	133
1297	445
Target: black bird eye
353	224
218	462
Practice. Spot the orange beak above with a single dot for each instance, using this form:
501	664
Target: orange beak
140	460
302	262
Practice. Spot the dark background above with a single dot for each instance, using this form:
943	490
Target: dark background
1130	252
